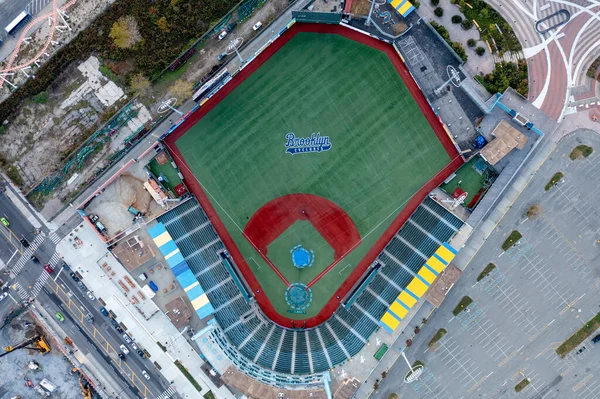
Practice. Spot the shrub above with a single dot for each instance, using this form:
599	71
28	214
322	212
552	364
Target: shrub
416	4
471	42
507	74
555	179
591	72
442	31
40	98
456	19
512	239
14	175
438	335
466	24
480	51
187	375
438	12
435	2
580	335
460	50
487	270
464	302
2	129
521	385
581	151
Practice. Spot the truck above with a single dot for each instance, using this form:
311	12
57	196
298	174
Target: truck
50	387
153	286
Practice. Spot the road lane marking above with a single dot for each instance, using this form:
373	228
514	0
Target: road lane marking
13	255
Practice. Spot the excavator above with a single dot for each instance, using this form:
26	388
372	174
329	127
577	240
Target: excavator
38	343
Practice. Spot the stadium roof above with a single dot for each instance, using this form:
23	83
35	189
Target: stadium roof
506	138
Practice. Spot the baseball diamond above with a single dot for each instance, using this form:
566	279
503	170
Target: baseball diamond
325	143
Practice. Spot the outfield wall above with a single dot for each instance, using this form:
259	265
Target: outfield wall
252	64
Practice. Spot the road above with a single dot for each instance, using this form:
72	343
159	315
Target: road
58	292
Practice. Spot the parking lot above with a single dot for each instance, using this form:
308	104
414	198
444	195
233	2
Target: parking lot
541	291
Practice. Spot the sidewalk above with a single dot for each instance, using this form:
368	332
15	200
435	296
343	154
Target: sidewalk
145	322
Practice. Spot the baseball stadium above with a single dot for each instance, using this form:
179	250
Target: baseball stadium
311	225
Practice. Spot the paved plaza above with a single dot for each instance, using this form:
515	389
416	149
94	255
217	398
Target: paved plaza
542	290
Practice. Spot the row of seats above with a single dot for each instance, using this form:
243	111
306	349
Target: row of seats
286	351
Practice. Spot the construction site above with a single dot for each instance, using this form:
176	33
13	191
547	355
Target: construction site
29	365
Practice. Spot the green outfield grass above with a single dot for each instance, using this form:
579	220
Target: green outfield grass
383	151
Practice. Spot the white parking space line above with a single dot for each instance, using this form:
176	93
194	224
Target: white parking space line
518	310
427	386
458	363
590	390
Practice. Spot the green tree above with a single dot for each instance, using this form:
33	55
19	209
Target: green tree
163	24
438	12
181	89
139	84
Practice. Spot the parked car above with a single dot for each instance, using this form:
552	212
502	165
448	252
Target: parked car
5	221
24	242
3	296
231	26
60	317
596	339
141	353
105	312
222	35
145	374
34	259
121	356
89	318
221	56
64	264
127	338
257	25
91	296
48	268
119	329
124	349
74	277
81	286
153	286
134	346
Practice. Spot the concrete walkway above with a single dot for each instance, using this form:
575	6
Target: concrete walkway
475	64
145	322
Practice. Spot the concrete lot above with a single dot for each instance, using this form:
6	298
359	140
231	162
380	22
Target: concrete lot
541	292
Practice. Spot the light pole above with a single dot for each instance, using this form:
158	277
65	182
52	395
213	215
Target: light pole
414	373
233	46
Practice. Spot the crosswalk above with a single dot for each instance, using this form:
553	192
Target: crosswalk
37	287
36	5
26	256
21	291
168	393
55	260
55	238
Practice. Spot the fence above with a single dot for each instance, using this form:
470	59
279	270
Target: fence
317	17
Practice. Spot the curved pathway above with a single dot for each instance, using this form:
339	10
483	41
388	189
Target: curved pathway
557	60
54	18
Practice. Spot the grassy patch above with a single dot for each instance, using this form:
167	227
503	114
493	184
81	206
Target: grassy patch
438	335
40	98
581	151
380	352
521	385
487	270
188	376
209	395
581	335
512	239
393	396
415	364
555	179
506	74
161	346
464	302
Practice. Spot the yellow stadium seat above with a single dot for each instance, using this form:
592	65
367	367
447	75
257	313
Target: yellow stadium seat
417	287
407	299
445	254
436	264
396	3
404	8
398	309
427	274
390	321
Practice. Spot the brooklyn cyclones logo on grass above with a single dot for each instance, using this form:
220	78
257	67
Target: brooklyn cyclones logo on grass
314	143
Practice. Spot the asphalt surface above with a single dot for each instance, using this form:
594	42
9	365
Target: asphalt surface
9	9
541	292
32	280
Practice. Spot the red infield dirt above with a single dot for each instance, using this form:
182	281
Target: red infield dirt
417	198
